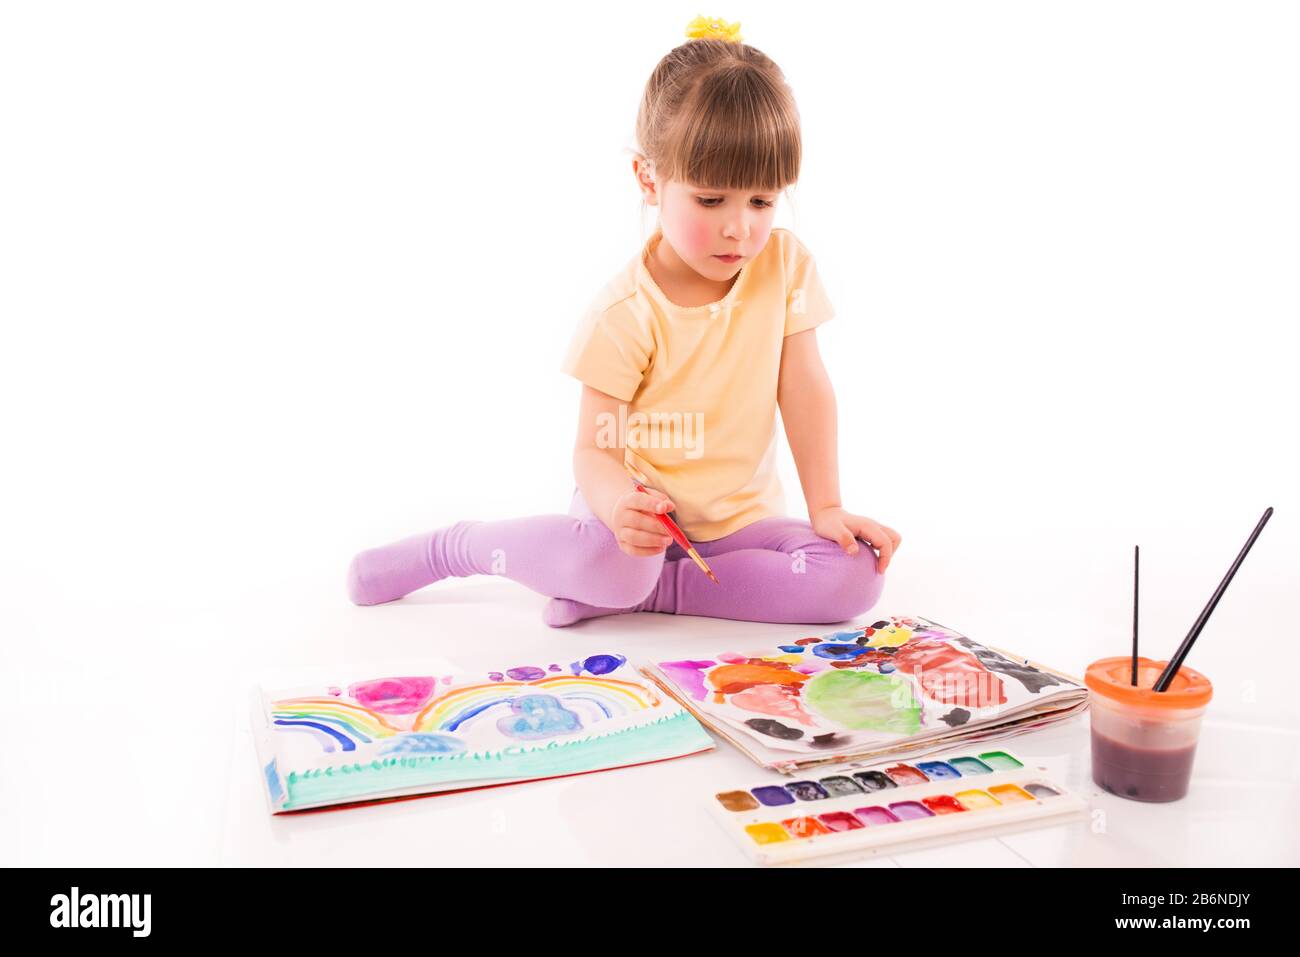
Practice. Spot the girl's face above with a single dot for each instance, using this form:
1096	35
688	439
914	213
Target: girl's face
715	232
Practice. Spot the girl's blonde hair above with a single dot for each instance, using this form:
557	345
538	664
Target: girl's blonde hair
719	114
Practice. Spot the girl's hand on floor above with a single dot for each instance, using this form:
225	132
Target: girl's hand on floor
634	525
845	527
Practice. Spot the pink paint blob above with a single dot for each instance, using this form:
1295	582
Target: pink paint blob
393	695
781	701
688	675
813	667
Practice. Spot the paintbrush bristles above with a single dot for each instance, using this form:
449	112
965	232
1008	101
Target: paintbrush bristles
703	566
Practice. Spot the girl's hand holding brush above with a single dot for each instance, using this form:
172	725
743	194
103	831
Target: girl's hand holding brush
675	533
636	529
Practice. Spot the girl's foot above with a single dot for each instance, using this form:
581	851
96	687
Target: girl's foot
562	612
385	574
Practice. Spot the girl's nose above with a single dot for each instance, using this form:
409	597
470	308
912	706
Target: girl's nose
737	229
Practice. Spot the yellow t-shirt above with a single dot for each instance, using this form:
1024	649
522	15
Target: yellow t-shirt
699	383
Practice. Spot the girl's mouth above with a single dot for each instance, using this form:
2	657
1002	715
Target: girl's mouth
729	259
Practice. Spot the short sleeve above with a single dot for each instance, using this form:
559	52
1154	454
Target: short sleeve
807	304
610	351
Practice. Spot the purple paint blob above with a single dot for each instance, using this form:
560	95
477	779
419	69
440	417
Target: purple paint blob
910	810
603	664
525	673
496	676
688	675
772	796
874	816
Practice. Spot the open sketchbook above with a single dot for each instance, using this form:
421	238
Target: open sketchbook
901	686
387	738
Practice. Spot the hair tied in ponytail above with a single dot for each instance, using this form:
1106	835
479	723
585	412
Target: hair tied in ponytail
713	28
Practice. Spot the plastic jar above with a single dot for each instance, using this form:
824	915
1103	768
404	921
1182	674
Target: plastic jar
1144	741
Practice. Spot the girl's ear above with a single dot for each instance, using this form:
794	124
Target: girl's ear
643	169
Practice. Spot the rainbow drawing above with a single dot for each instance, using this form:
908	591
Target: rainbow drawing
338	725
385	738
598	697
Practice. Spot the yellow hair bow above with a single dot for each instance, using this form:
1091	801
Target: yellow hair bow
711	28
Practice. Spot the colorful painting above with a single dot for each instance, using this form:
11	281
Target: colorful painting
396	736
850	690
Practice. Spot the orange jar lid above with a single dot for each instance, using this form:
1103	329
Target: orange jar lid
1112	678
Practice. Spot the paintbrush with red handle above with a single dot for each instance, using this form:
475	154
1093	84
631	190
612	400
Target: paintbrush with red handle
678	536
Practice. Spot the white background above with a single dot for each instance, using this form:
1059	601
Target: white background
281	281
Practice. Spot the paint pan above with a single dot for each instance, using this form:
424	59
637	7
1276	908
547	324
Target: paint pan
968	766
893	807
905	774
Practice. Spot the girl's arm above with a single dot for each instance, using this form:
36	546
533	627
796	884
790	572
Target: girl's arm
605	484
807	402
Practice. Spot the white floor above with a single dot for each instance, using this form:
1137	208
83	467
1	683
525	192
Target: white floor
122	763
296	320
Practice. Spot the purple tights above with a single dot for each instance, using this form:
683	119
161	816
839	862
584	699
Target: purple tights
776	569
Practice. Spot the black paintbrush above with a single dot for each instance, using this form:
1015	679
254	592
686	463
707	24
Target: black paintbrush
1176	662
1135	616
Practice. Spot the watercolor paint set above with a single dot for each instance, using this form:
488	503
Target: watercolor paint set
887	808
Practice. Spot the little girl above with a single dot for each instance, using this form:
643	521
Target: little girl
685	357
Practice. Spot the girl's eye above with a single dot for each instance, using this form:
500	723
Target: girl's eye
711	201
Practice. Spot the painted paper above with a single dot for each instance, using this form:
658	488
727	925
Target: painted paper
854	690
386	737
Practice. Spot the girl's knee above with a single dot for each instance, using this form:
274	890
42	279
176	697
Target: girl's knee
852	584
611	578
631	579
